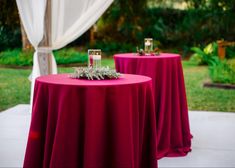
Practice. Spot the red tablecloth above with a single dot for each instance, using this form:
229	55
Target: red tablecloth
92	124
174	138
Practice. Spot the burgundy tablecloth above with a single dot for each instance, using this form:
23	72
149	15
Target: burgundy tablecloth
92	124
174	138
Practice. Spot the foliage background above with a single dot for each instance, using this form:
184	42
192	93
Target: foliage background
10	35
129	21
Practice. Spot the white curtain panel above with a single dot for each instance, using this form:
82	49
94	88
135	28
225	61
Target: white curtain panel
32	16
70	19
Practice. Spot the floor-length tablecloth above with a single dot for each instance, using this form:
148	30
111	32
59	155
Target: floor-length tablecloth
92	124
174	138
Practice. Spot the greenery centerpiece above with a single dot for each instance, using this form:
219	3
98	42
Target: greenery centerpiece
141	52
95	73
94	69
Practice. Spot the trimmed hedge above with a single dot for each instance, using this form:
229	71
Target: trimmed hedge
18	58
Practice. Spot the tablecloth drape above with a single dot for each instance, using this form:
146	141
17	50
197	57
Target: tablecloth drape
174	138
92	124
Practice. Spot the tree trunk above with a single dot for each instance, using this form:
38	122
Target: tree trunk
26	46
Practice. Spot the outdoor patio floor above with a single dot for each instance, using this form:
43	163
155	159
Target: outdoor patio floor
213	142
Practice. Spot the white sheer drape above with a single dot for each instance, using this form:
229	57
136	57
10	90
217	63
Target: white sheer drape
32	16
70	19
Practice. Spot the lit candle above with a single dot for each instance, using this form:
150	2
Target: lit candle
148	45
94	58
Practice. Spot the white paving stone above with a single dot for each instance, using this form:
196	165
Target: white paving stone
14	125
213	143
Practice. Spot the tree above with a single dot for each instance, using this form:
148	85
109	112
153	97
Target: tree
196	3
125	16
10	22
9	14
222	4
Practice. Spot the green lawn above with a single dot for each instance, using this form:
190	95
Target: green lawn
209	99
15	88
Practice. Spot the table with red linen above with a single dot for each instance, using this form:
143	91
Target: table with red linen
173	131
92	124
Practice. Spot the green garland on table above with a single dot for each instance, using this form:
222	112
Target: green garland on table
141	52
92	73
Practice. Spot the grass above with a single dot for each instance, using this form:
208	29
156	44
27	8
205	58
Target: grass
209	99
15	88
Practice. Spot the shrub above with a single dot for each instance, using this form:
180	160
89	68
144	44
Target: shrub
222	72
219	71
70	55
209	53
205	56
18	58
230	52
10	38
109	48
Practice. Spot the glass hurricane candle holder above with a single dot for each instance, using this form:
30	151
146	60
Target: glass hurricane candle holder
94	58
148	45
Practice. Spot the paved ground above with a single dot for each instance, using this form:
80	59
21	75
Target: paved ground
213	142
